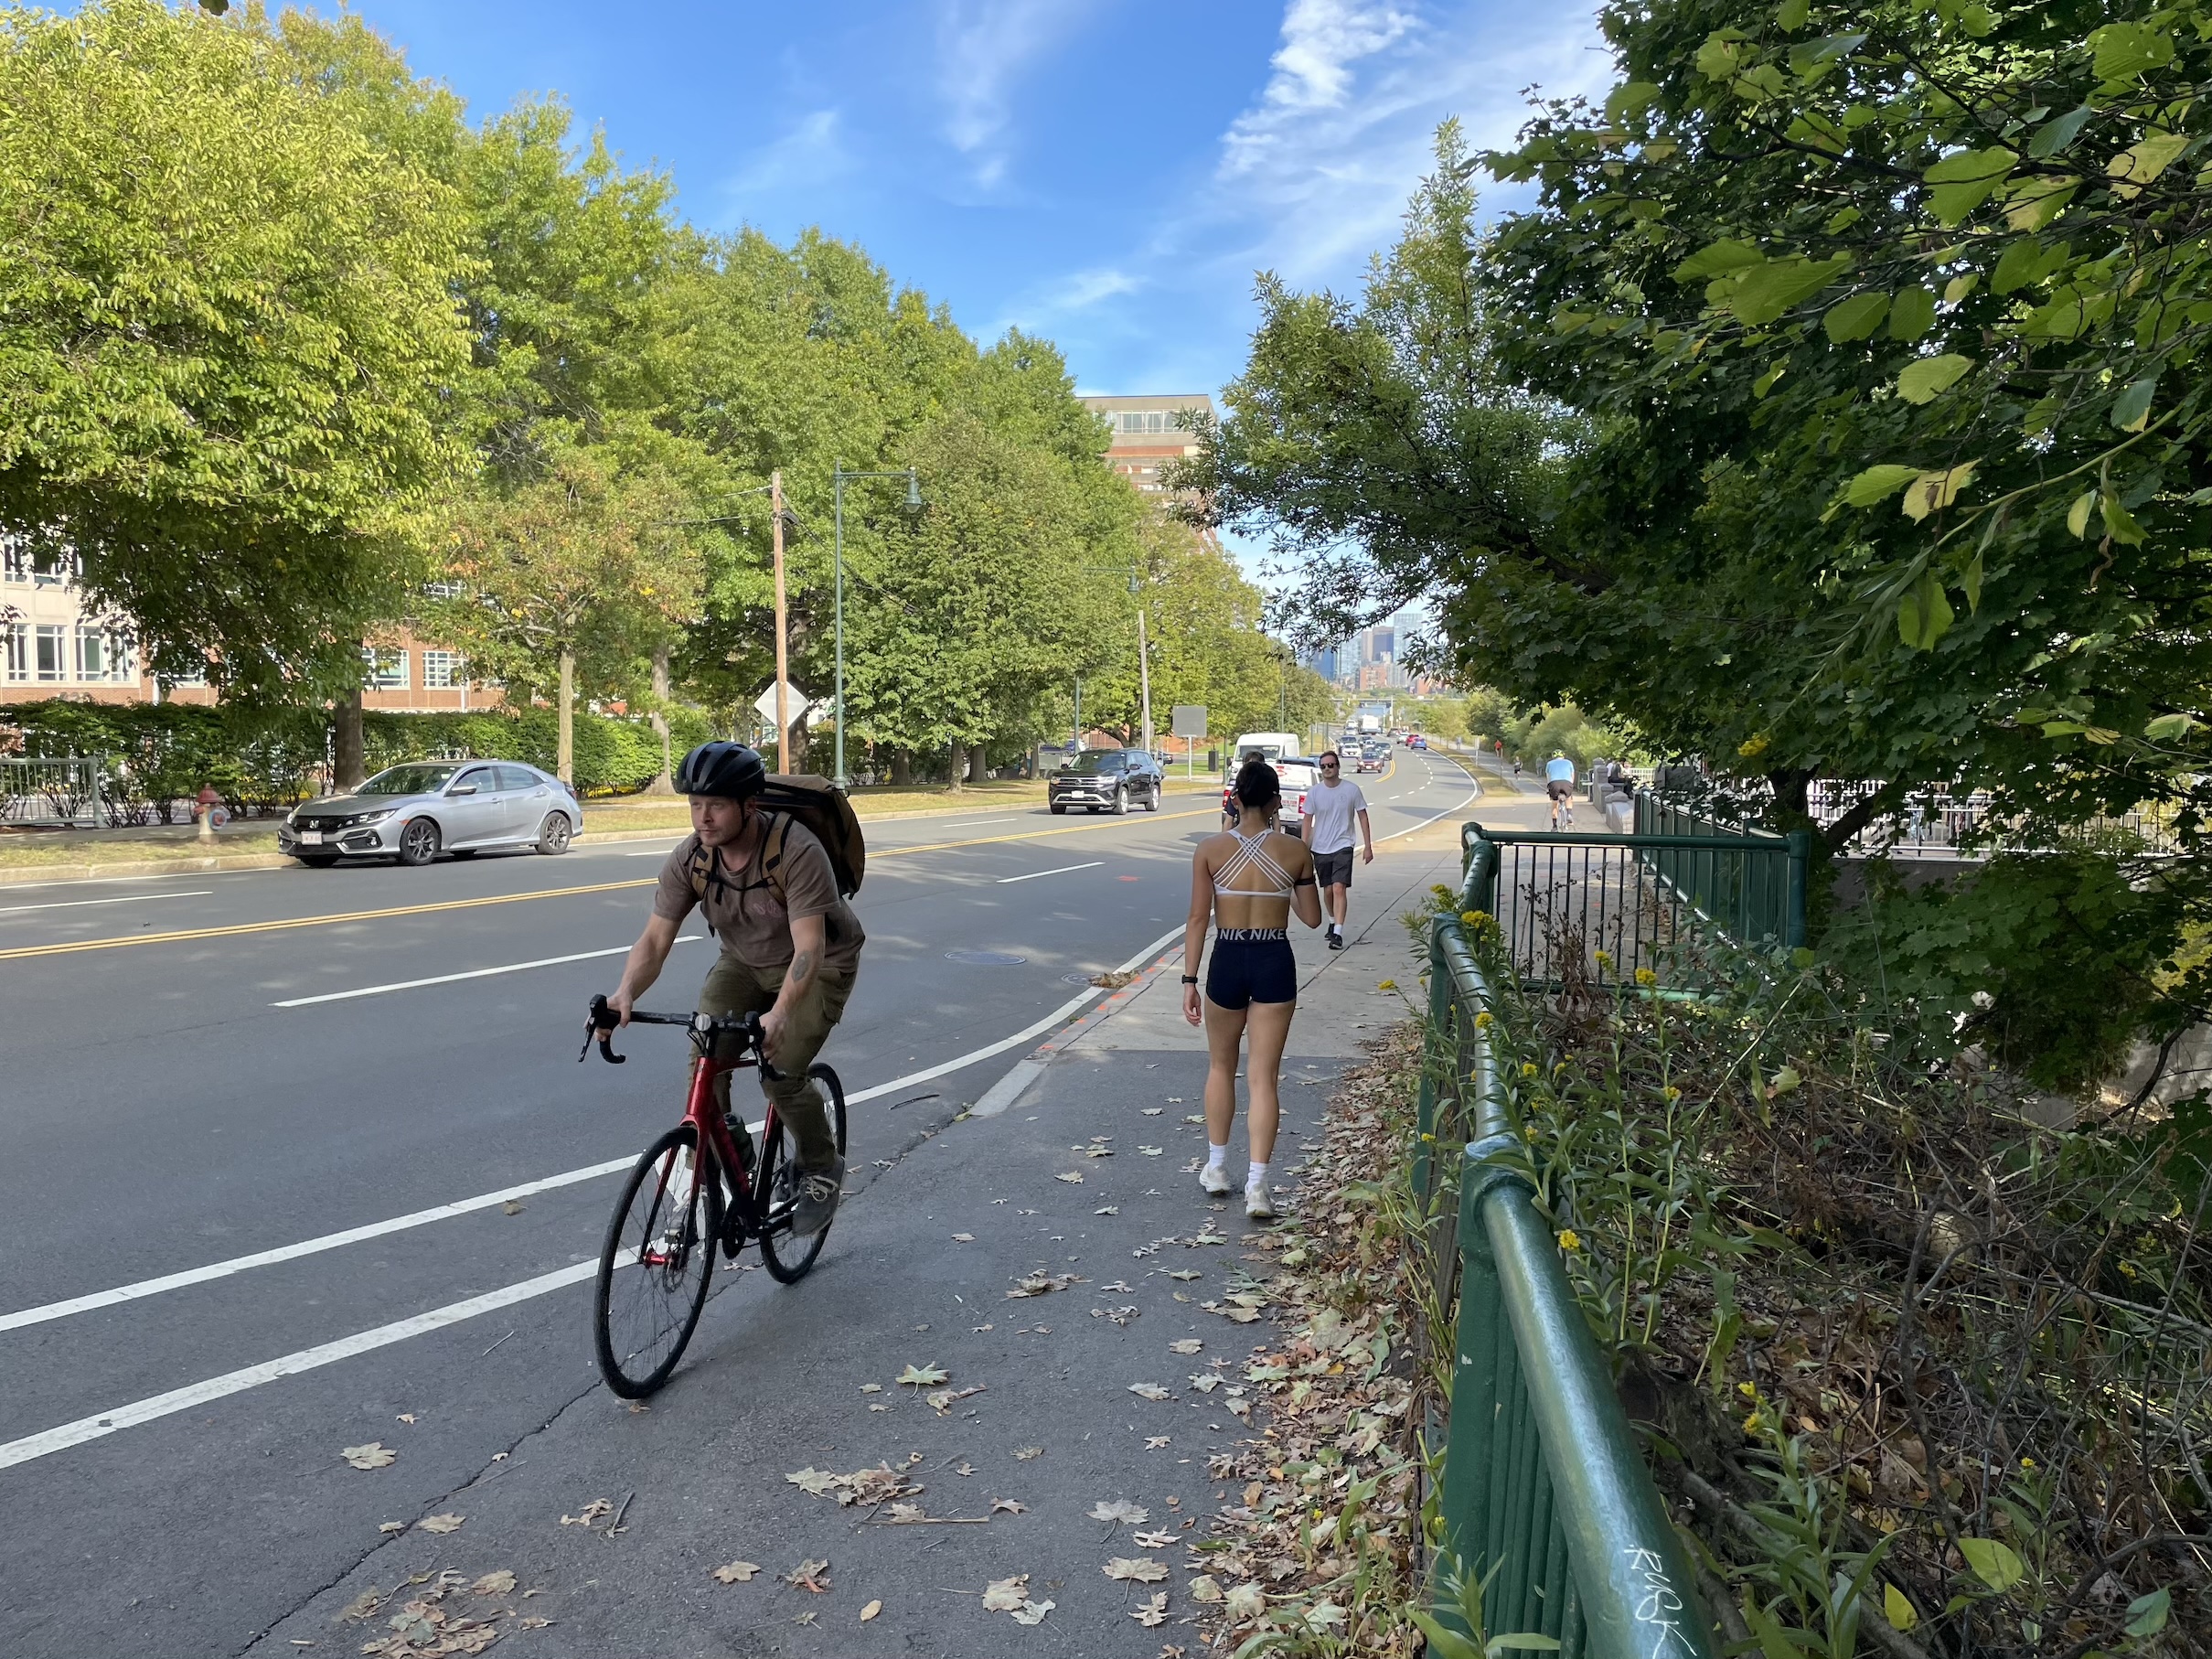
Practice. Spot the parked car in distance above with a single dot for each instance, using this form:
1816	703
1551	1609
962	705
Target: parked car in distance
1106	780
420	808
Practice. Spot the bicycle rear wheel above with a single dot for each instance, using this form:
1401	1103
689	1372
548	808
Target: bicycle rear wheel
785	1256
656	1265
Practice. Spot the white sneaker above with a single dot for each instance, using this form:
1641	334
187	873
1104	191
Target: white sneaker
1258	1206
1214	1179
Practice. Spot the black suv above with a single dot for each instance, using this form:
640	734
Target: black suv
1103	780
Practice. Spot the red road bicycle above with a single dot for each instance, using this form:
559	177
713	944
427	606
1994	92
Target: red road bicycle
705	1182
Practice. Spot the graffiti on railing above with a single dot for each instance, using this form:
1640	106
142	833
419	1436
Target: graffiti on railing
1660	1606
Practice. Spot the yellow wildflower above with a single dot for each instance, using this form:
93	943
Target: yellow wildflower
1387	985
1753	746
1528	1069
1748	1390
1754	1423
1670	1094
2027	1463
1484	1020
1644	976
1569	1240
1605	960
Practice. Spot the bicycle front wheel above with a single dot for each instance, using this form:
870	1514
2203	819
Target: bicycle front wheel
785	1255
657	1265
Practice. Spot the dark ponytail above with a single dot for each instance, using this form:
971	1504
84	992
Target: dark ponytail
1258	787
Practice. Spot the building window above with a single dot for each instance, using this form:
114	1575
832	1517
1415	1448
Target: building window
442	589
1155	422
387	669
50	650
198	678
15	562
95	658
441	671
19	651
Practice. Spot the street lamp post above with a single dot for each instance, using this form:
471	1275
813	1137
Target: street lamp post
913	504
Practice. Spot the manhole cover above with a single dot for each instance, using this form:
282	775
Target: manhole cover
985	959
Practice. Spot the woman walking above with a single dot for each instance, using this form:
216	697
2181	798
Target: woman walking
1247	880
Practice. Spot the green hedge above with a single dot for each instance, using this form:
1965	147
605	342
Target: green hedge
270	760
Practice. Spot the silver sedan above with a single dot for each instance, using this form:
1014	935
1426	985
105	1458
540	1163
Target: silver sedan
414	811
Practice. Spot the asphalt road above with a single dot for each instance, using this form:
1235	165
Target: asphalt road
209	1078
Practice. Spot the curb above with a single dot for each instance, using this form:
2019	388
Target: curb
1014	1082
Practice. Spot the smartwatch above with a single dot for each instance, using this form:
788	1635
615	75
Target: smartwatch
1189	978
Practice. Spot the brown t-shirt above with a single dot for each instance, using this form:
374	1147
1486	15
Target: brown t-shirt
751	919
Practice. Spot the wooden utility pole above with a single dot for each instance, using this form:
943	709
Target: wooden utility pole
782	626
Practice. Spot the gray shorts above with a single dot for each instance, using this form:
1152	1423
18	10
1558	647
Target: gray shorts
1333	869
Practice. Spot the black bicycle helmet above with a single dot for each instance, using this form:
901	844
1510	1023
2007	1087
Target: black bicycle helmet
728	770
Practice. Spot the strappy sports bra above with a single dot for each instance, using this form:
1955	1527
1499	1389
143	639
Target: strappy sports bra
1252	854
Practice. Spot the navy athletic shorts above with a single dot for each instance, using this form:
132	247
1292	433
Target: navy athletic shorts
1251	964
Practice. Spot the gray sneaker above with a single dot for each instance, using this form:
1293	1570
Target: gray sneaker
815	1201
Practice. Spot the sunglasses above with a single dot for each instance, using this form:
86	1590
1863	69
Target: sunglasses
1328	765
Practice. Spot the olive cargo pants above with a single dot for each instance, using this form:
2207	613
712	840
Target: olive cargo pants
736	987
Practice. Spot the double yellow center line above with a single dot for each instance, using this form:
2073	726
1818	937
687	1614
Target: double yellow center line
70	947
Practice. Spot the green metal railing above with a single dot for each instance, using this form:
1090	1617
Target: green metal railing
1544	1489
1601	906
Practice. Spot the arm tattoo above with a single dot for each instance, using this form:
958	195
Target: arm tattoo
802	967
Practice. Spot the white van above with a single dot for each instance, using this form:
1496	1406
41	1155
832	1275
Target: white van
1272	745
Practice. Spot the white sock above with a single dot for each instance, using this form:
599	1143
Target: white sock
1256	1178
1217	1157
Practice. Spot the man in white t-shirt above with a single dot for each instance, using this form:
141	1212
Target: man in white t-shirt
1326	816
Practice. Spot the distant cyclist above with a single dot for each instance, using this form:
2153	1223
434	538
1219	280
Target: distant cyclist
1559	783
790	946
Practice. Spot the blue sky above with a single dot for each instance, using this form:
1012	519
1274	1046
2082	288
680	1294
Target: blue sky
1109	175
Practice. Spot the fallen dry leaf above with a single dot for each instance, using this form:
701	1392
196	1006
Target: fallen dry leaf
870	1611
1155	1540
592	1512
1154	1611
1204	1384
443	1523
958	1239
1150	1391
808	1480
809	1576
1153	1442
736	1572
1154	1111
533	1624
1070	1176
513	1206
1013	1506
1042	1284
1151	1152
374	1455
922	1376
1185	1274
1188	1344
1097	1151
362	1605
492	1584
1107	1209
1121	1512
407	1416
1028	1452
905	1514
1205	1588
1006	1594
391	1526
1141	1569
871	1387
943	1397
1032	1612
1245	1601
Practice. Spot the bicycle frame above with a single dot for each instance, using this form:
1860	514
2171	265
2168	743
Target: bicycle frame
714	1137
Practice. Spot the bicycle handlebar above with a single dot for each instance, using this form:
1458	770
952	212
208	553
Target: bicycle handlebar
601	1023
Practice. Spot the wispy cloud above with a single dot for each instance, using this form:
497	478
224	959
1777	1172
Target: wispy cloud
1322	42
812	153
982	46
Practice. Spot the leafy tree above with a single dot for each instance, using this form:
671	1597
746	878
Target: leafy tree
565	568
981	607
230	340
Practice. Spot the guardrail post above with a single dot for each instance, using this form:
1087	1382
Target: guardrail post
1800	858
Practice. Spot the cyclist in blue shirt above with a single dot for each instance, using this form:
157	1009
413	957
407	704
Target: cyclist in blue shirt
1559	783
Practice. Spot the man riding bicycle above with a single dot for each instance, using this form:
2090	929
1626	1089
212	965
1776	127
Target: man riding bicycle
790	946
1559	783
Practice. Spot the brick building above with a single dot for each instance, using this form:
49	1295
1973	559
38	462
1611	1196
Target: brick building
56	647
1146	437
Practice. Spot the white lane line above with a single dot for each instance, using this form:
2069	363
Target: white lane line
62	1438
1058	1014
473	973
482	1201
1424	823
306	1246
128	898
307	1359
118	881
1034	875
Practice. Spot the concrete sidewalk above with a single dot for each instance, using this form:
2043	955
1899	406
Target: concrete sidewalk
1051	1254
